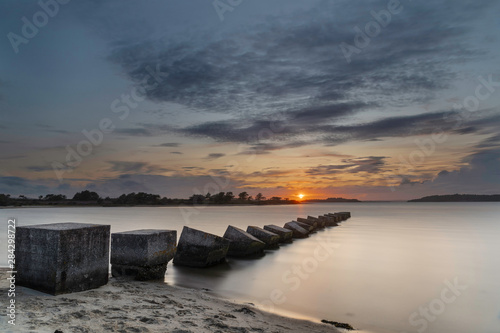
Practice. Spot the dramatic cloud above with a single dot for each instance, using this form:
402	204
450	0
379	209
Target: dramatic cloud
283	63
213	156
168	144
135	167
371	164
480	175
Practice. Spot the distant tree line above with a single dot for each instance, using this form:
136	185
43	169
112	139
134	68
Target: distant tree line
92	198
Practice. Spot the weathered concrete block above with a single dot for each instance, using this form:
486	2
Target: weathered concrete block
197	248
308	227
142	254
271	239
343	215
62	258
140	273
311	223
298	231
346	215
338	217
147	247
322	221
242	243
331	221
284	234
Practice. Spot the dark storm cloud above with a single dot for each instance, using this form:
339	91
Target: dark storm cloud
250	131
492	142
167	144
479	175
276	63
322	113
389	127
134	167
266	148
213	156
300	71
370	164
228	130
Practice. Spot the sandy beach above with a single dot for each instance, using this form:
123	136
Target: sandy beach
131	306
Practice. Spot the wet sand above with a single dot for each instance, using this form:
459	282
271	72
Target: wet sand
131	306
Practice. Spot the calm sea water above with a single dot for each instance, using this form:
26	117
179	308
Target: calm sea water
392	267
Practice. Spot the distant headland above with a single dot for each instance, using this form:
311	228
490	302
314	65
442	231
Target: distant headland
459	198
332	200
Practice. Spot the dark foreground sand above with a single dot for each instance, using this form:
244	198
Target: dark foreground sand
130	306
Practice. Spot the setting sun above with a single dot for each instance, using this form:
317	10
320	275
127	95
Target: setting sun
300	196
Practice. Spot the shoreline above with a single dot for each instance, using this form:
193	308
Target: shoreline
133	306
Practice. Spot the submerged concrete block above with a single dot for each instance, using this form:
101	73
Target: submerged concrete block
312	218
311	223
271	239
139	273
142	254
146	247
330	221
322	221
62	258
308	227
197	248
343	215
334	217
242	243
338	217
346	215
298	231
284	234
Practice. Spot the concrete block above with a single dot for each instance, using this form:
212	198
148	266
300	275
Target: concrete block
308	227
309	222
322	221
142	254
242	243
62	258
139	273
147	247
330	221
298	231
346	215
197	248
271	239
284	234
338	217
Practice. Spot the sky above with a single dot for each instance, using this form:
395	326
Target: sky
374	100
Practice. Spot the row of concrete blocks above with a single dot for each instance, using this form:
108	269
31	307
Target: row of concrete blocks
61	258
68	257
201	249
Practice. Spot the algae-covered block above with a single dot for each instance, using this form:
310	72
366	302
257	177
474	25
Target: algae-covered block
197	248
314	224
271	239
242	243
285	234
298	231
